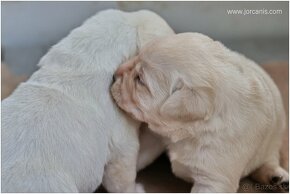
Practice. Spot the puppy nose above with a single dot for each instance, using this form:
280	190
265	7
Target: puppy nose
119	71
114	78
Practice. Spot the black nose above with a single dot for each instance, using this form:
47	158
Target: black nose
114	78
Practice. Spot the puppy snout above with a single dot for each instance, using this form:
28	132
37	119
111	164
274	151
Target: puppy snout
120	71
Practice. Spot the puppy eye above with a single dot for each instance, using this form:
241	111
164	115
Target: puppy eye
139	80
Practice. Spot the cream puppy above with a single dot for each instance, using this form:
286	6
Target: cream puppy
221	113
61	131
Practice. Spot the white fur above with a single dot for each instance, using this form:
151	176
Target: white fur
61	131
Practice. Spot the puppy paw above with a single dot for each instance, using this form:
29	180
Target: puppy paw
275	180
280	177
139	188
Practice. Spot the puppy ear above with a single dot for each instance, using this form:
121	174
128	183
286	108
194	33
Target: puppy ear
188	104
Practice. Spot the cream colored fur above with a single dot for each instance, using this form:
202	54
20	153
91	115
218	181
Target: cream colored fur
220	112
9	81
61	131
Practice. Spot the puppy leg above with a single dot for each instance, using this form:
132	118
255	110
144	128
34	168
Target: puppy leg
151	146
120	172
272	173
120	175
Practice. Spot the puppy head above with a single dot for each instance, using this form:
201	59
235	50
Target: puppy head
169	83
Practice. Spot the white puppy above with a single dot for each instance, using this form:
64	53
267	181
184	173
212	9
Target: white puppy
61	131
222	114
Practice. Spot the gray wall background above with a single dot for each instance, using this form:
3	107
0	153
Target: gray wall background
30	28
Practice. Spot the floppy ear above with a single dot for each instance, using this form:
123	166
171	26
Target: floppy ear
188	104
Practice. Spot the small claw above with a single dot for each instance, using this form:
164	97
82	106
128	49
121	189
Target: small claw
275	179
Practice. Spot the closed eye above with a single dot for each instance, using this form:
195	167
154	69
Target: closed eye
139	80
